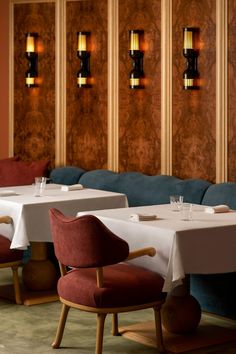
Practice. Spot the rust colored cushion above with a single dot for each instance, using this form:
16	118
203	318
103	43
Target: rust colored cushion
6	254
14	158
18	173
124	285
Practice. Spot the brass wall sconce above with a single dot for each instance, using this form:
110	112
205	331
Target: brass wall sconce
136	54
190	52
83	54
32	56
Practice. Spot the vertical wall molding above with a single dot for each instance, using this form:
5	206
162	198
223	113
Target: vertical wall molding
11	79
166	87
113	85
221	90
60	82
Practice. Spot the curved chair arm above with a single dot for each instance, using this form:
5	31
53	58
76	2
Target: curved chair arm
147	251
5	219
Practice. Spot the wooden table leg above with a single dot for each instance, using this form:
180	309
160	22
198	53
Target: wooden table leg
39	276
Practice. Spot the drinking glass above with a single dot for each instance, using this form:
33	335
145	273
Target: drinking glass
39	187
187	211
176	202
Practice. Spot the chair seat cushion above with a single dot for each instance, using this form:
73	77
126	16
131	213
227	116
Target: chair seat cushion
6	254
124	285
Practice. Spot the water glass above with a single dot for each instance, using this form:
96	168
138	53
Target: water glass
187	211
39	187
176	202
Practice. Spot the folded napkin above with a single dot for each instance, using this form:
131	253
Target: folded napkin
7	193
142	217
73	187
217	209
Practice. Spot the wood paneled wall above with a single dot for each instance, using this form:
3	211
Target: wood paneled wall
194	111
34	108
139	110
110	125
87	107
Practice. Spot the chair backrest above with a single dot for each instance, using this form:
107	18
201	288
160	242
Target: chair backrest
85	241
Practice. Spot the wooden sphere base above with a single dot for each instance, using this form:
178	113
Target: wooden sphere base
181	314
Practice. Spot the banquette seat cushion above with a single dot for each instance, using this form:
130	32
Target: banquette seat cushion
143	189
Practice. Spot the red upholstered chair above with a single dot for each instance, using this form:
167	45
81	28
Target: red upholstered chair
93	279
10	258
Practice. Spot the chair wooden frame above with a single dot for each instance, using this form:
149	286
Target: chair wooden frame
102	312
14	266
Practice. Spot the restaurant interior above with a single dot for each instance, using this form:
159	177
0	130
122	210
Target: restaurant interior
126	86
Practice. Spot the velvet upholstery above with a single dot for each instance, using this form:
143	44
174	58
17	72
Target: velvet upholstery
145	190
7	254
94	278
124	285
66	175
17	173
221	193
85	241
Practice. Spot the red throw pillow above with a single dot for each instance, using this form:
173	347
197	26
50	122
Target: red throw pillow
19	173
14	158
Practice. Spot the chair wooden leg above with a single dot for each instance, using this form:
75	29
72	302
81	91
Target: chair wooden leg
16	284
115	330
100	329
159	335
61	326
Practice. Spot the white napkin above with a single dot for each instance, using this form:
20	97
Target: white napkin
73	187
7	193
142	217
217	209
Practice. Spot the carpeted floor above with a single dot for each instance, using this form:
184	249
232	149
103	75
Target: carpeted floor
27	330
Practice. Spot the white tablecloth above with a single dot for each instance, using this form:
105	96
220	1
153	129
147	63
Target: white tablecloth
30	214
205	245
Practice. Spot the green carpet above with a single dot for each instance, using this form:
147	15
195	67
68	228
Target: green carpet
31	329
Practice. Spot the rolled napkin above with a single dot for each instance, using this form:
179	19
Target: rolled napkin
217	209
142	217
73	187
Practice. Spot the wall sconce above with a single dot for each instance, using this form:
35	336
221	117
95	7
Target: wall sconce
190	52
32	56
83	54
136	54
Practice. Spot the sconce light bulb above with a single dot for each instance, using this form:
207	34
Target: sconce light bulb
82	42
134	40
188	38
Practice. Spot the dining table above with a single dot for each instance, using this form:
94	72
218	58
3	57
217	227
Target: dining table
31	227
205	244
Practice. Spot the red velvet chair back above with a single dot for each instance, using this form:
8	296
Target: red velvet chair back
85	241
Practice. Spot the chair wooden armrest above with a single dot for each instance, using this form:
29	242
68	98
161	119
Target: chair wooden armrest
147	251
5	219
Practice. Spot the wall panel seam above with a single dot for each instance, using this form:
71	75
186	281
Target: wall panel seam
166	87
221	90
113	86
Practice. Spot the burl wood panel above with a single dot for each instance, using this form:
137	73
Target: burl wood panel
140	110
34	108
87	107
194	111
231	90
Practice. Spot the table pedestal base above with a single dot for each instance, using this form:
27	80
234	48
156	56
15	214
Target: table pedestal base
181	314
39	277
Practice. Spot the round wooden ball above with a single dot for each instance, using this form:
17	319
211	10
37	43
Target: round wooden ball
181	314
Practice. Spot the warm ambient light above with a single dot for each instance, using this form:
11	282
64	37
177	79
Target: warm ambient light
136	54
32	56
190	52
83	75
